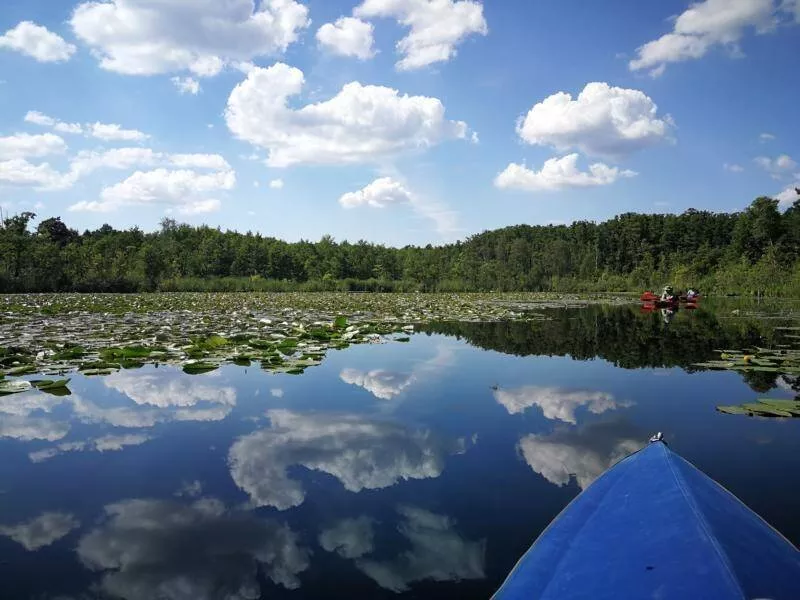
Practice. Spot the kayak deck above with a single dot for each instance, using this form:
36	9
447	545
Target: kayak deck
653	526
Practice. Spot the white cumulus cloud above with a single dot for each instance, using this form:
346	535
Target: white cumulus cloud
108	132
558	174
44	177
705	25
42	531
361	453
790	195
37	42
147	37
113	132
733	168
276	184
348	37
186	85
387	191
436	27
25	145
183	189
777	167
361	124
21	172
38	118
602	121
380	193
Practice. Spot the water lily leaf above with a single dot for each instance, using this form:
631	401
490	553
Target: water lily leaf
791	406
199	368
766	410
49	384
99	365
93	372
734	410
23	370
340	322
72	353
127	352
131	364
13	387
57	391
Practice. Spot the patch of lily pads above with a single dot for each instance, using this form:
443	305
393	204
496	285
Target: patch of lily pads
783	360
765	407
99	334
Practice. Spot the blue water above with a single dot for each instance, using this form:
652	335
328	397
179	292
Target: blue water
419	470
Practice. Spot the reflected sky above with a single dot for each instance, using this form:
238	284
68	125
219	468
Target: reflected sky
41	531
437	552
362	453
582	454
556	403
421	469
148	549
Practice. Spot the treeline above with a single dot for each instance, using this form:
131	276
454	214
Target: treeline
756	251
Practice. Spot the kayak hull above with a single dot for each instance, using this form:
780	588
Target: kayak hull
653	526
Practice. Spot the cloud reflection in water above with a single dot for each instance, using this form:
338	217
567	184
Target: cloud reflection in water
361	452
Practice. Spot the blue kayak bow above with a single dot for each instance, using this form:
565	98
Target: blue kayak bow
654	526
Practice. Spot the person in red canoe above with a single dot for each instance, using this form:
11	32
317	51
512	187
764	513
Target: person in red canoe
667	295
692	295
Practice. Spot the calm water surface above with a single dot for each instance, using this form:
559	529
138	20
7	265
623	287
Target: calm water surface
419	470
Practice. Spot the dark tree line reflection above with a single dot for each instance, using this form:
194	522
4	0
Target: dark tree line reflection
624	336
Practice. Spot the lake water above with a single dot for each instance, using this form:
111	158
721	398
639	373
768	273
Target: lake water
420	470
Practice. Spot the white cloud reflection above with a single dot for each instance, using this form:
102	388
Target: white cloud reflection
386	384
362	453
380	383
556	403
150	549
582	454
42	531
107	443
349	538
437	552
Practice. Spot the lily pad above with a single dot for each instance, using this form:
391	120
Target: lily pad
199	368
13	387
49	384
765	407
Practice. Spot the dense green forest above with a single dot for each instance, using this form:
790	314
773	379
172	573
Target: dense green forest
756	251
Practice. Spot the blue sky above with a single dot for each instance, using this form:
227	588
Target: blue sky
407	121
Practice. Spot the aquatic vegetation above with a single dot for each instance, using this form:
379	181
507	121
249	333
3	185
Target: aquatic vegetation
765	407
784	360
100	334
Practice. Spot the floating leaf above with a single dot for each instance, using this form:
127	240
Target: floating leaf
13	387
23	370
199	368
765	407
734	410
49	384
